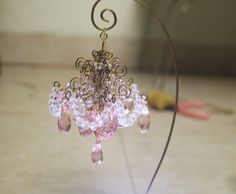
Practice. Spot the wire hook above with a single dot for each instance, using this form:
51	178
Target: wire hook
102	16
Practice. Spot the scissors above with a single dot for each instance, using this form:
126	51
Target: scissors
188	109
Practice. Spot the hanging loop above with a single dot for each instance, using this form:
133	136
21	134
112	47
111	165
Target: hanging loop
102	16
103	35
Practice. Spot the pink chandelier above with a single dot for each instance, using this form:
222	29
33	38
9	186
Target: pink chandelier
99	99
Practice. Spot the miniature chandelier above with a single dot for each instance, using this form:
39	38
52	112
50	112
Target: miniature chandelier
99	99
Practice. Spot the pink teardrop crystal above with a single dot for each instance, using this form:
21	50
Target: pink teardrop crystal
144	123
64	122
97	154
85	132
128	105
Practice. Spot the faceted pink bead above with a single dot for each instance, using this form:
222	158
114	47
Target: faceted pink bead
99	133
64	122
85	132
108	130
97	154
144	123
91	115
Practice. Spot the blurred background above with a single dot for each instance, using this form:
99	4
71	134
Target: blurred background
203	33
39	43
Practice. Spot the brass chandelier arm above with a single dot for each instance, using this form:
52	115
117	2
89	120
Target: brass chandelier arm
102	16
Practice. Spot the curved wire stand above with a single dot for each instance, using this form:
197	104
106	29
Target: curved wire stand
104	36
170	42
